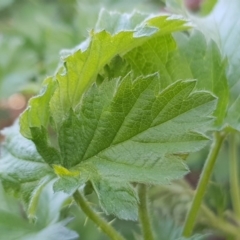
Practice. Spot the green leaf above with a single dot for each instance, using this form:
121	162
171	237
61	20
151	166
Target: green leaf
15	75
131	122
207	6
220	25
233	114
52	232
111	191
113	148
40	111
206	64
49	205
84	64
20	161
14	224
22	170
161	55
129	130
113	127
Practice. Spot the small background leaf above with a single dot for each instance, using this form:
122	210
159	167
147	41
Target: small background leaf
206	64
117	197
15	225
220	25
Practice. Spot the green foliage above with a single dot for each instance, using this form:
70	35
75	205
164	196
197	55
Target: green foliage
125	107
132	126
29	30
28	48
92	56
21	163
207	66
220	26
207	6
14	224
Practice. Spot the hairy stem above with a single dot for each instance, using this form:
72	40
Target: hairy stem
144	214
234	181
100	222
202	184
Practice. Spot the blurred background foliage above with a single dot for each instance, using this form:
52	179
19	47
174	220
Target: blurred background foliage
34	31
32	35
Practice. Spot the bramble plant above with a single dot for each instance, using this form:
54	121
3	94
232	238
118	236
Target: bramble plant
121	114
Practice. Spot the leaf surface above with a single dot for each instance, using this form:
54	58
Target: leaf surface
111	125
111	192
220	25
14	225
20	161
82	66
131	130
132	122
207	65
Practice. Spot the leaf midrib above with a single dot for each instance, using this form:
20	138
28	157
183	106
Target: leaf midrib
143	130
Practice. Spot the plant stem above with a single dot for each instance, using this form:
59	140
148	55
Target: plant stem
202	184
144	214
234	181
100	222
